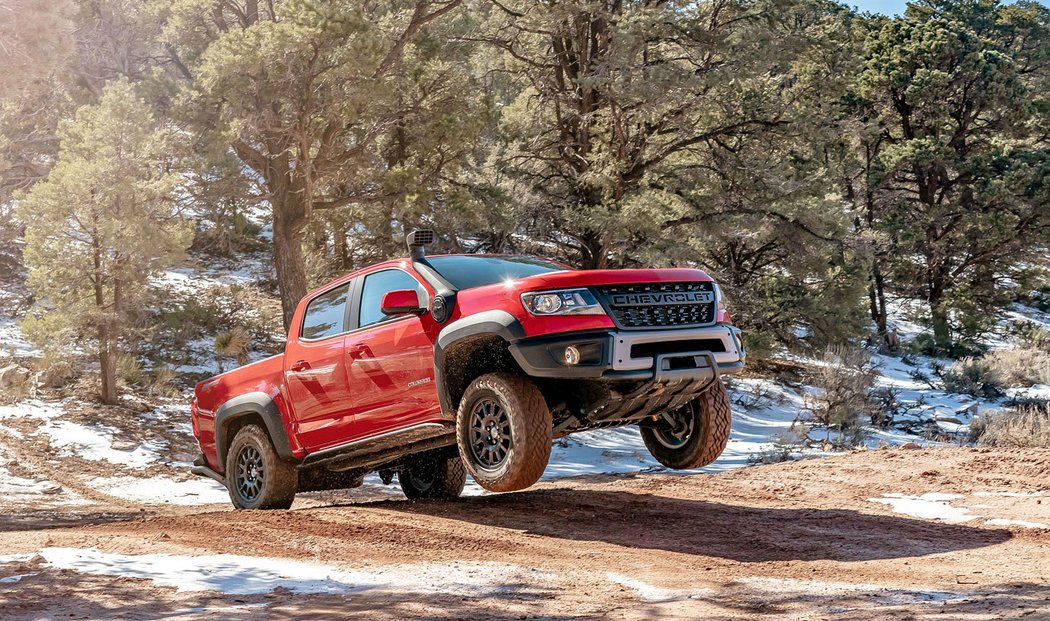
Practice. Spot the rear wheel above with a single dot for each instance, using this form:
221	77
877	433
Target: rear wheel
428	476
256	476
695	434
504	431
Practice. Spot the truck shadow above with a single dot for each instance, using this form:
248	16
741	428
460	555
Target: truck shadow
739	532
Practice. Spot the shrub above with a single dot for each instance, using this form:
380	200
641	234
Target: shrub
232	344
847	397
1025	427
972	376
1033	335
1020	366
163	384
787	445
130	371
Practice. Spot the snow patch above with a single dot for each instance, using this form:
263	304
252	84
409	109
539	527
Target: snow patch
653	593
95	443
162	490
880	594
1021	523
13	579
929	506
248	575
12	343
31	493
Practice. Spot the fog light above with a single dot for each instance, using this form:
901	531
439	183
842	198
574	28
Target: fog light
572	355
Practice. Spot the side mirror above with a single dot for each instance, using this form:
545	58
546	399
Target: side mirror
401	302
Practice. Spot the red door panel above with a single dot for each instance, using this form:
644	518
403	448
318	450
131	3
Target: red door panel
315	372
391	369
390	360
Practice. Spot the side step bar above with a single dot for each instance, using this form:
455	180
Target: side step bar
201	469
380	449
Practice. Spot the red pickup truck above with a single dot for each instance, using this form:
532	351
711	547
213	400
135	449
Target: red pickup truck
432	367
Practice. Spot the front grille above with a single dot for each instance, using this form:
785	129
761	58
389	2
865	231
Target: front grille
631	307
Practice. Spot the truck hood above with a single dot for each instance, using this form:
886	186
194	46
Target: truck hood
585	278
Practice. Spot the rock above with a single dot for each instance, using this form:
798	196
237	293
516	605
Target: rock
13	375
911	446
57	375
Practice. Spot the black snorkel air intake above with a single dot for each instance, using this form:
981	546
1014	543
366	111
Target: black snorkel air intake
445	297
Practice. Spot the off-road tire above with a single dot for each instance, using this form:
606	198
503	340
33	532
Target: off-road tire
709	435
530	428
433	477
280	479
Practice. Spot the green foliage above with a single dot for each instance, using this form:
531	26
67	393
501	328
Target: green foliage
232	344
972	376
813	160
100	224
961	170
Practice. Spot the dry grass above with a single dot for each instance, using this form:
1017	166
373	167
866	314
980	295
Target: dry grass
1025	427
988	375
1020	366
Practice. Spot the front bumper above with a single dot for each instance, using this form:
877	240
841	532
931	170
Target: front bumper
663	356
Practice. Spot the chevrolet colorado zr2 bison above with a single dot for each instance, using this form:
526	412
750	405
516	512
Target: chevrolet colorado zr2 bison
433	367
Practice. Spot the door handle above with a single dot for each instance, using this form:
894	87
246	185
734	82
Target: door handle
300	365
357	351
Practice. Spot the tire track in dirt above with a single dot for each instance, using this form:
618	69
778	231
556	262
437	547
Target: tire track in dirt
36	466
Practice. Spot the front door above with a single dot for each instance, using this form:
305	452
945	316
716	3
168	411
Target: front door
390	359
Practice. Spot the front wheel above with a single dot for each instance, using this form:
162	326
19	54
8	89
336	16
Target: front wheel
695	434
503	427
256	476
428	476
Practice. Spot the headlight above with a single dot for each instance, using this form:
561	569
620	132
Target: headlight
566	302
720	299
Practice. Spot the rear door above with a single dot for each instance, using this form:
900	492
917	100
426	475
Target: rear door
390	359
315	370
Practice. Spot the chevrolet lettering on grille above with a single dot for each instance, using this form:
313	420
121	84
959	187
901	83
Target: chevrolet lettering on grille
663	298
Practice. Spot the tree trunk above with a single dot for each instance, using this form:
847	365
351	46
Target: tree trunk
288	260
107	360
595	254
942	335
877	298
342	249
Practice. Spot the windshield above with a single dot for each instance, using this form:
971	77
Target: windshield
465	272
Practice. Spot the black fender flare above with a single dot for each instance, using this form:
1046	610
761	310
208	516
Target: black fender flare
494	322
252	403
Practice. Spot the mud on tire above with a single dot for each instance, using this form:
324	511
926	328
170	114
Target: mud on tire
429	476
256	476
700	436
503	427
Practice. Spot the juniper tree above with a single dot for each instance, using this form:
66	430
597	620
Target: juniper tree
100	225
307	95
961	179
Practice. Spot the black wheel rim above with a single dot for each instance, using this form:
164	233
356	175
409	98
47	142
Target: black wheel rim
490	438
421	475
250	473
673	429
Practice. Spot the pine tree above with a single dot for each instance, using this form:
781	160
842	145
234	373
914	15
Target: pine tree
100	225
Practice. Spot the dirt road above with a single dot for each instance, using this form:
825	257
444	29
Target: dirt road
797	540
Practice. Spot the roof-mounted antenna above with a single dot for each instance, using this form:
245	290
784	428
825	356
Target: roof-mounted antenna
417	241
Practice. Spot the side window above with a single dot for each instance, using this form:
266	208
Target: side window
325	314
376	286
